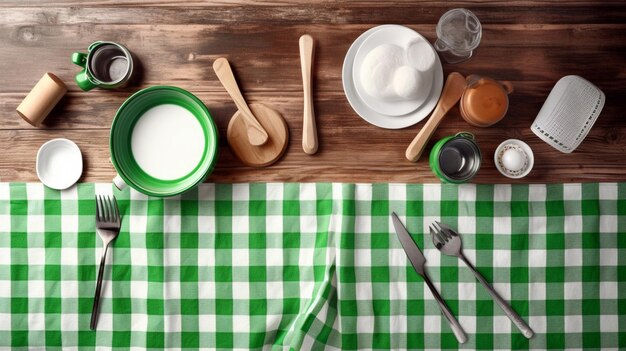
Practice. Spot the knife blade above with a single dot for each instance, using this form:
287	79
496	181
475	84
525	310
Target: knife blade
412	251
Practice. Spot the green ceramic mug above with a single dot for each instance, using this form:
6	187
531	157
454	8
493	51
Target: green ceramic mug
152	132
106	65
456	158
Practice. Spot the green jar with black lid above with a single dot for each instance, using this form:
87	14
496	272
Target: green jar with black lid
455	159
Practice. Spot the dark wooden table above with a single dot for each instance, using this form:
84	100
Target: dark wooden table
531	43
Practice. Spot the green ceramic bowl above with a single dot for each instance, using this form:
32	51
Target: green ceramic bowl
122	158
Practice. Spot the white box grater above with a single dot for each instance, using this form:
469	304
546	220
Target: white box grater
569	112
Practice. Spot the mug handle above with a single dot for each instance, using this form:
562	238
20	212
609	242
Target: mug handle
508	86
83	81
466	135
441	46
78	58
472	79
119	183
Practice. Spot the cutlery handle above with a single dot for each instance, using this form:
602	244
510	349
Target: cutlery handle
454	324
256	134
96	298
417	146
450	95
309	132
513	316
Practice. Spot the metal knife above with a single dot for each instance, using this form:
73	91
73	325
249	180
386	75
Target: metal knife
418	260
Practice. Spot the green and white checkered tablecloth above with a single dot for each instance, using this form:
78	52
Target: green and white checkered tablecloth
313	266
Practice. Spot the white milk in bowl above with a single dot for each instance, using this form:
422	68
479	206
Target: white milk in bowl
168	142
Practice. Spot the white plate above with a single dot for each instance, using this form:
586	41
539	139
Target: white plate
59	163
376	118
400	36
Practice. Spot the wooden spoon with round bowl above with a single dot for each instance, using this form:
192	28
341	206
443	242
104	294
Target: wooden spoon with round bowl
257	134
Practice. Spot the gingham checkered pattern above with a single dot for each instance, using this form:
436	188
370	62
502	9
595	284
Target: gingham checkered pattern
274	266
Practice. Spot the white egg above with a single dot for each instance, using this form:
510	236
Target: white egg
513	160
377	70
406	82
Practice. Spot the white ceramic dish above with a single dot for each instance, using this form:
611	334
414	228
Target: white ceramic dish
376	118
400	36
59	163
527	158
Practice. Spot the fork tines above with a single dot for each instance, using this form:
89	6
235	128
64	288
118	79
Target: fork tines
440	232
437	234
106	209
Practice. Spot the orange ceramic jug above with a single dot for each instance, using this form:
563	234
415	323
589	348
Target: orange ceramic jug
485	101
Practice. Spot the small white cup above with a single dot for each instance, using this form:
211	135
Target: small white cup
59	163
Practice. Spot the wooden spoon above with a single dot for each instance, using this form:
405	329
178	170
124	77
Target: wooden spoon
309	132
452	91
256	134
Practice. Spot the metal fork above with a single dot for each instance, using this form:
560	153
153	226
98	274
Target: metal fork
449	242
108	224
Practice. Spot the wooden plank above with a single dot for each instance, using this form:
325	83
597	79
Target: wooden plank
294	3
182	55
96	109
347	154
405	12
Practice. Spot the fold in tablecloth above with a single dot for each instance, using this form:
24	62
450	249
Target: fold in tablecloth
301	266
